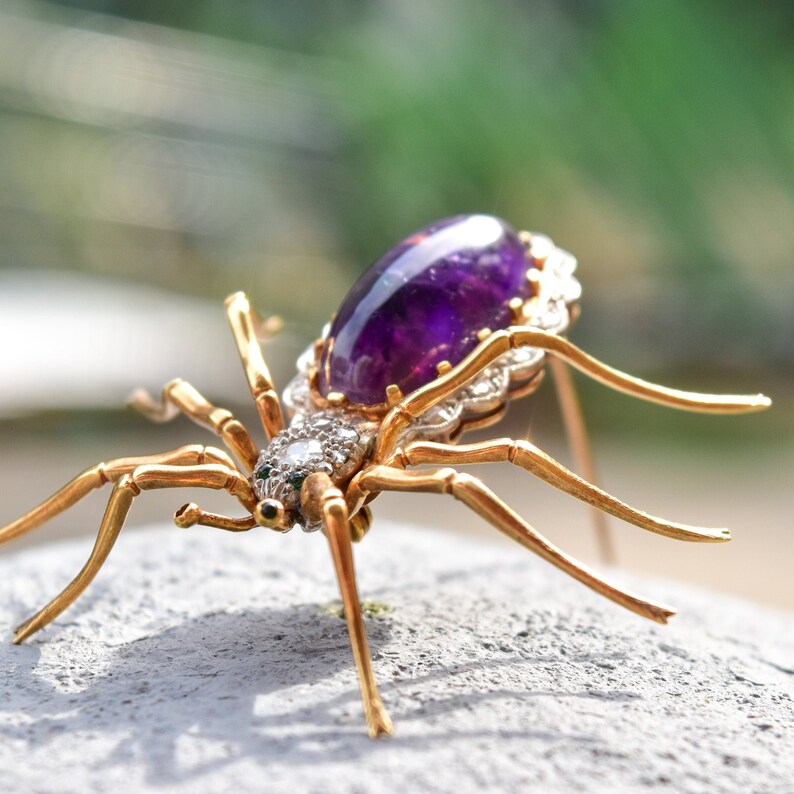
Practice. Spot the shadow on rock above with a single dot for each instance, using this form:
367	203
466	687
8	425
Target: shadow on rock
201	680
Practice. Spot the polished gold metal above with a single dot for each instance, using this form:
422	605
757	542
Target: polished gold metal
191	514
273	520
128	486
475	495
101	474
393	394
579	441
528	457
336	399
516	306
360	524
322	500
501	342
179	396
247	326
341	507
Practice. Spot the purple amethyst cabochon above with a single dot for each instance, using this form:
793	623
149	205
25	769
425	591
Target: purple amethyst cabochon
422	303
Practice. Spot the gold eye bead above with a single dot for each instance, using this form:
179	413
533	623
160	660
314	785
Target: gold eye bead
269	513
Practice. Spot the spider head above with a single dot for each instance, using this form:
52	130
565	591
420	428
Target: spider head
322	442
278	480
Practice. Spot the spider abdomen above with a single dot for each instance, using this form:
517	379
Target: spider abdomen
422	303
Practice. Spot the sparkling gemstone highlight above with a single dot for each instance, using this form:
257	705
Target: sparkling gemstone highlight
303	451
422	303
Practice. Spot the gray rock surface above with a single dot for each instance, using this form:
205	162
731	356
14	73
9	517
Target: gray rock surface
206	662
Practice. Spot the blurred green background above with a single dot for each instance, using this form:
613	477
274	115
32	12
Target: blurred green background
155	157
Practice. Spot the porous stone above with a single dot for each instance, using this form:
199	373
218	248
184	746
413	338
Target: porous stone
201	661
422	303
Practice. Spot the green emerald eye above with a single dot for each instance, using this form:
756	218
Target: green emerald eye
264	472
296	480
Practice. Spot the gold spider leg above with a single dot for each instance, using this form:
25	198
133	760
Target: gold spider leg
579	442
107	472
322	500
475	495
501	342
180	396
142	478
191	514
528	457
247	328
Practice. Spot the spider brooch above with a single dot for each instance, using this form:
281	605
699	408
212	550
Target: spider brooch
435	339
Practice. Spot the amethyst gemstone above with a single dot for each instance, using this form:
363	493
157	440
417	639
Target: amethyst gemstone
421	303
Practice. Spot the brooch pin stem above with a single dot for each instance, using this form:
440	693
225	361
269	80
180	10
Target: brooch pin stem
579	442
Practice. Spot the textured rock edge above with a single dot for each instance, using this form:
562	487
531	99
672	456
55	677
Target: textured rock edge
201	661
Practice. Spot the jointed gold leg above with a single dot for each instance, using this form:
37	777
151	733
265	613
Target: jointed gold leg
180	396
579	441
479	498
527	456
108	472
500	342
142	478
191	514
247	328
323	500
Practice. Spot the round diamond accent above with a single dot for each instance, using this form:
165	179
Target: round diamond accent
301	452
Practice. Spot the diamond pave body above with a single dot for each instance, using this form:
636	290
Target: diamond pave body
327	441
